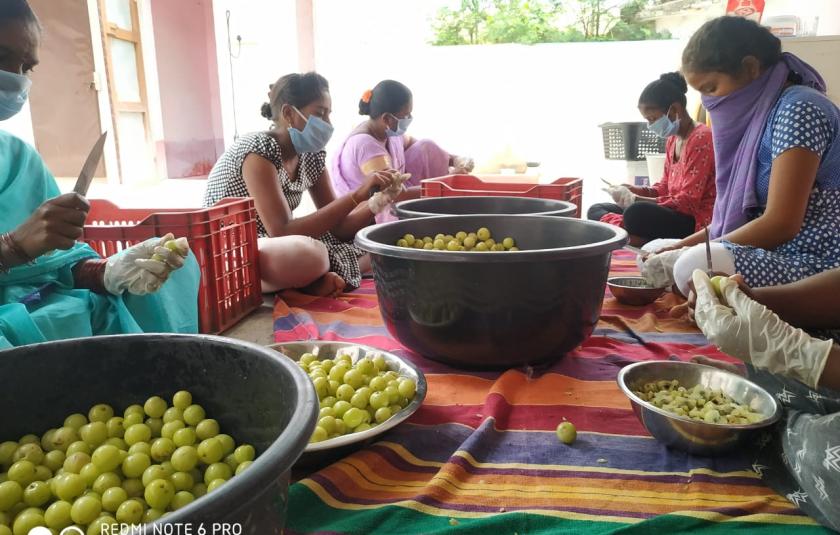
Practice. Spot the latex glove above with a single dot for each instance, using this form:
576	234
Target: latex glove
658	269
622	195
462	164
144	267
753	333
381	200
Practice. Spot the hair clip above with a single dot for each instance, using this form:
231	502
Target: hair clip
366	96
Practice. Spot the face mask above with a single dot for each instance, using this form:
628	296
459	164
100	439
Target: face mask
402	126
14	90
664	127
314	136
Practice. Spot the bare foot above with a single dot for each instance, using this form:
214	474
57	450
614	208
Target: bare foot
330	285
719	364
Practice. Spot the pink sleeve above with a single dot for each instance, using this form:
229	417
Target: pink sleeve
364	148
347	172
661	187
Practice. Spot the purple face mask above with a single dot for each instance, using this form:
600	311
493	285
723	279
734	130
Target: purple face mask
738	121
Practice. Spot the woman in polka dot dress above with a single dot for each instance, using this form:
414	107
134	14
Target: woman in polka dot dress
777	150
314	253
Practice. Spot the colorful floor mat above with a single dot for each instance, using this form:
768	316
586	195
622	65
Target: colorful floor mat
481	455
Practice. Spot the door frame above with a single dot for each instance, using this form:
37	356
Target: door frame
106	31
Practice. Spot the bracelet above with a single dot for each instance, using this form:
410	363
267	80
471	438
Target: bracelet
353	198
16	249
90	274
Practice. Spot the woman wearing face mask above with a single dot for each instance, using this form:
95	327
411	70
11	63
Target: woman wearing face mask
682	202
313	253
777	149
381	143
51	286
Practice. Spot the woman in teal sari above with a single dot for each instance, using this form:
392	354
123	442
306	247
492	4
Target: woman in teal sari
51	286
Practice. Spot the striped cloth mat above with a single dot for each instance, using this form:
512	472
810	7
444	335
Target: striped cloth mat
481	455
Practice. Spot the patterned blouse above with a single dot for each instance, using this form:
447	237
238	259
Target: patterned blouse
688	185
226	180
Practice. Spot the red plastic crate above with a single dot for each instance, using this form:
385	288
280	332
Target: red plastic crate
222	238
562	189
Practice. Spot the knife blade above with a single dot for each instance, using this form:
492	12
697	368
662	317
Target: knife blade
709	270
88	170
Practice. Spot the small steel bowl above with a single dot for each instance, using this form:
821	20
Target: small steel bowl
698	438
634	291
318	452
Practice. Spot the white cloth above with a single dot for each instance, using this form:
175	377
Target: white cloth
751	332
143	268
694	258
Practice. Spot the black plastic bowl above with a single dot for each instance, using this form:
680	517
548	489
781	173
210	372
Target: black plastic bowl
433	206
493	309
257	395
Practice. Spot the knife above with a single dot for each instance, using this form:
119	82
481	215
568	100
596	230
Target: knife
86	176
82	184
709	270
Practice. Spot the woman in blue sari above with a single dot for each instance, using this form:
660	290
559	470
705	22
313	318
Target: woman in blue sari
51	286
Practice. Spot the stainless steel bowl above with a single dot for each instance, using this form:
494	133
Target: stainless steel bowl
634	291
328	350
432	206
689	435
491	309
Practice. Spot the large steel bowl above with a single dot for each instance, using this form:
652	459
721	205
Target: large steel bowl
689	435
433	206
318	452
493	309
258	396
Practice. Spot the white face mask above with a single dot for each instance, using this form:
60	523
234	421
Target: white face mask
14	90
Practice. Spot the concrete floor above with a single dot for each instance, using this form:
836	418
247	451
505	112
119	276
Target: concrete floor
257	327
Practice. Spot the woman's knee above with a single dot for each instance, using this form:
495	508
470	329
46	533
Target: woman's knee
292	261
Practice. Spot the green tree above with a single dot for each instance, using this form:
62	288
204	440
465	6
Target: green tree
539	21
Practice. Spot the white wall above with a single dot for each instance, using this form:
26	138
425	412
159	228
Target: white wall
268	51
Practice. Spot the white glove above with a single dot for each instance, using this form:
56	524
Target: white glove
143	268
751	332
462	164
658	269
381	200
621	195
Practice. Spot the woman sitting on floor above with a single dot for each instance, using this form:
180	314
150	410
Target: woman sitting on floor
682	202
314	253
51	286
381	143
777	149
800	458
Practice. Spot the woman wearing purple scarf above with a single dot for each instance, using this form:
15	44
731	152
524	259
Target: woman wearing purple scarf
777	153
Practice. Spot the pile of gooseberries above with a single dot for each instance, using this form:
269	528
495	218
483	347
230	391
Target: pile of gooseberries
355	396
479	241
100	469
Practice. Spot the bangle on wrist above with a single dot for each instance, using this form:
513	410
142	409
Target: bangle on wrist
353	198
16	249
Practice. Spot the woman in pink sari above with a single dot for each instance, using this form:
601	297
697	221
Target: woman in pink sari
381	143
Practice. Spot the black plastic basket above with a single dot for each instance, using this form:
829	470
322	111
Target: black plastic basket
630	141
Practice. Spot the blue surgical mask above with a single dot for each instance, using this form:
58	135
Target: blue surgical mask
402	126
14	90
664	127
315	135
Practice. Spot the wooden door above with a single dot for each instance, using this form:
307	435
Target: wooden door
127	87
